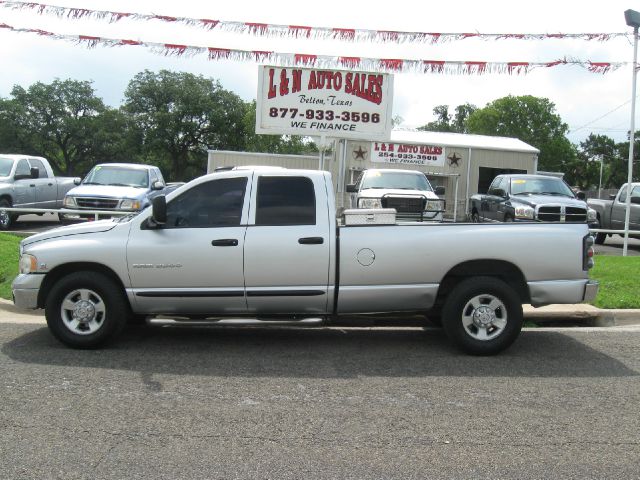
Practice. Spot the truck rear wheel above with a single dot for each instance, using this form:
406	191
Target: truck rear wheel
482	315
600	238
86	310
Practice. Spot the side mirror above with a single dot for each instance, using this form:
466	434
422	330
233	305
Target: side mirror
77	181
35	172
440	191
635	200
351	188
499	192
157	185
581	196
612	196
159	210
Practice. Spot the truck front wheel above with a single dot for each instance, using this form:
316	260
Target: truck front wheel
482	315
6	218
86	309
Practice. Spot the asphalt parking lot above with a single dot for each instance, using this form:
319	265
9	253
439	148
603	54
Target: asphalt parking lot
171	402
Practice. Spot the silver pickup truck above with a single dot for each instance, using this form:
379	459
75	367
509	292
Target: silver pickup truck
612	213
117	187
29	182
263	246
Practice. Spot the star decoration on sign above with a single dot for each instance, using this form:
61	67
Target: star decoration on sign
454	159
360	153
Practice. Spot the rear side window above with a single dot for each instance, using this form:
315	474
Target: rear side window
285	201
38	163
217	203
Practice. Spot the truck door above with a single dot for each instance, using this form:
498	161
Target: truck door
619	210
46	188
287	247
24	187
494	200
193	263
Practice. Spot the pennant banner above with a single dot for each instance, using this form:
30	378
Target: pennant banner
299	31
387	65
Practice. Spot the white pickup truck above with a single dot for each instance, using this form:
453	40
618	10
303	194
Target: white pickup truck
263	246
407	191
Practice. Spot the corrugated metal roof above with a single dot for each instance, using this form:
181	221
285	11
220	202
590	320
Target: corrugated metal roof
448	139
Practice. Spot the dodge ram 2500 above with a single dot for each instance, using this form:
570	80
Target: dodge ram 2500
612	213
530	198
28	182
407	191
263	246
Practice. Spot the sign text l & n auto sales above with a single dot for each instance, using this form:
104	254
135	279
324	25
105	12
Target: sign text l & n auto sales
334	103
382	152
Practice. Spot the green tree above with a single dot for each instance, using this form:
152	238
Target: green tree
532	120
285	144
619	171
59	121
594	152
446	122
177	116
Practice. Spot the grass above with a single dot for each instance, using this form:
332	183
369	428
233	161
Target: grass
619	277
8	262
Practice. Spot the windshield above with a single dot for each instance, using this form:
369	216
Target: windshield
118	176
397	180
540	186
5	166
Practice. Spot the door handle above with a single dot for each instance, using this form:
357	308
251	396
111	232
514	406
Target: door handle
32	185
311	241
225	242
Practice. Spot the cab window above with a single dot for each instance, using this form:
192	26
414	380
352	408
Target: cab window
42	172
217	203
23	170
285	201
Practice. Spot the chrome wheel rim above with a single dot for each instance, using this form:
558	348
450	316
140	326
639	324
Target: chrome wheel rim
4	218
484	317
83	311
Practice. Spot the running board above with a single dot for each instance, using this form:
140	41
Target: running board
237	322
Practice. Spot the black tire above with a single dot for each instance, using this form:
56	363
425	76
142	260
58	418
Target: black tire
475	218
508	218
482	315
600	238
6	218
92	295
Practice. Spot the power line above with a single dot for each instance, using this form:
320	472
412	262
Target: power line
601	117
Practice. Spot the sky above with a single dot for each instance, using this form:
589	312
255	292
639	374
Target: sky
587	102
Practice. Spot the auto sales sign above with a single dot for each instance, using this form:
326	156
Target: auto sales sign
316	102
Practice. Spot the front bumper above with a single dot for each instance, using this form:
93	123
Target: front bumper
25	290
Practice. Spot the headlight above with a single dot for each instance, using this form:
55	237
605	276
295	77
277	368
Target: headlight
525	212
128	204
28	263
434	206
69	202
592	215
369	203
